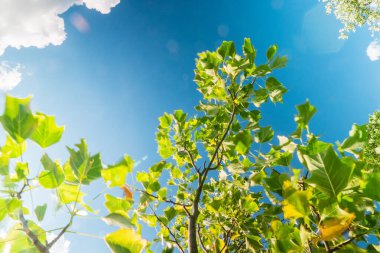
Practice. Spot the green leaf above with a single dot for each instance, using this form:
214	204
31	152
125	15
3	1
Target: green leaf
3	209
23	244
275	182
165	147
264	134
275	89
13	206
243	142
18	119
22	170
79	160
279	62
328	173
68	193
53	175
125	241
4	165
297	204
250	205
116	205
260	96
86	168
261	70
143	178
118	219
13	149
154	186
371	186
271	52
165	120
253	243
249	50
305	112
170	212
226	49
176	173
180	116
47	132
356	140
115	175
162	193
40	212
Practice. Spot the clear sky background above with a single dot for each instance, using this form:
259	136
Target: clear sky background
116	73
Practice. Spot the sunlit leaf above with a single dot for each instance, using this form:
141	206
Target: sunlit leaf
115	175
18	119
47	132
328	173
334	227
40	212
53	175
125	241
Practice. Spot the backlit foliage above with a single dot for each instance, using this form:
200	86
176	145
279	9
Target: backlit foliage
355	13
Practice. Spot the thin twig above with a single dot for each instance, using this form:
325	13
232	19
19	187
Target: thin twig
170	232
318	216
192	161
348	241
167	200
203	176
200	240
64	229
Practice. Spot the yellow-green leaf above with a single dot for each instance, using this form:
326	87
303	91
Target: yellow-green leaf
334	227
53	175
125	241
69	193
115	175
18	119
47	132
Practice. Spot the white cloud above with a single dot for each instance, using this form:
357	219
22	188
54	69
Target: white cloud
38	23
61	246
373	50
10	76
103	6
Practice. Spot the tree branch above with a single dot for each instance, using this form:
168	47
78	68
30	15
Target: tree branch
33	237
200	240
63	231
318	216
348	241
170	232
167	201
204	173
192	160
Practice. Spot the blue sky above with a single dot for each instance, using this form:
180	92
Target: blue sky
110	83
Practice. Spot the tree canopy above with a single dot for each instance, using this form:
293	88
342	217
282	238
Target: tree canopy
355	13
226	184
226	181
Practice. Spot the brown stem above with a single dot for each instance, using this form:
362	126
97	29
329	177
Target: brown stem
192	241
170	232
348	241
192	161
50	244
318	216
168	201
201	241
32	236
